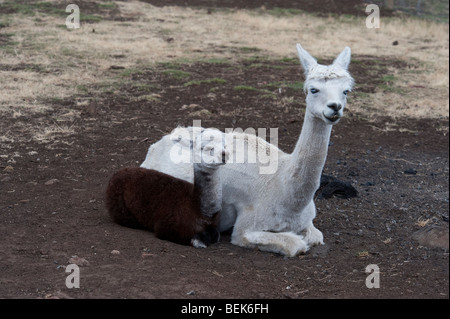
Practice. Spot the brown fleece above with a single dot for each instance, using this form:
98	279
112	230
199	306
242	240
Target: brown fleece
168	206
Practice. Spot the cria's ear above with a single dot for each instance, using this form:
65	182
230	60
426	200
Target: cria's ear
343	59
306	59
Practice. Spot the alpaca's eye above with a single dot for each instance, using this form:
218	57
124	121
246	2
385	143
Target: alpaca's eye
314	91
346	92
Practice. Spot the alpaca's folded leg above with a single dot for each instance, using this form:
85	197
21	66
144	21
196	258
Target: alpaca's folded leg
313	236
285	243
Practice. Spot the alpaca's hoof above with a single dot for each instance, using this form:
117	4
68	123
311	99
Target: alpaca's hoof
197	243
300	247
205	238
313	236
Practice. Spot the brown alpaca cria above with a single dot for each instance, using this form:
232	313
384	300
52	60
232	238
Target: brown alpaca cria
168	206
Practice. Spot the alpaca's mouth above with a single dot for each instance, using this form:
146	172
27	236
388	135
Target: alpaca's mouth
334	118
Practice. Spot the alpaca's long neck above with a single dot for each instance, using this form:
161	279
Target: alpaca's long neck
308	157
208	189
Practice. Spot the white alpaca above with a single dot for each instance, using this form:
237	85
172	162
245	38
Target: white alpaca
275	212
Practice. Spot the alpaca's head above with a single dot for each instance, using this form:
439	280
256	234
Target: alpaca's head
209	149
326	86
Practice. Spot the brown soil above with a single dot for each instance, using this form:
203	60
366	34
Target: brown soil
52	208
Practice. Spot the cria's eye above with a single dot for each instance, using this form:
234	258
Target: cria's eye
346	92
314	90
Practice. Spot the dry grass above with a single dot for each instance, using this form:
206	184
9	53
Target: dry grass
421	222
74	58
50	133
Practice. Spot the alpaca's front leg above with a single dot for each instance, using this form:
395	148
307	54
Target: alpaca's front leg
313	236
285	243
246	234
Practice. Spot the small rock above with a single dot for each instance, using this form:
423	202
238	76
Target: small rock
410	171
395	42
8	169
190	106
190	293
353	173
115	252
89	109
51	181
370	183
57	295
78	261
433	236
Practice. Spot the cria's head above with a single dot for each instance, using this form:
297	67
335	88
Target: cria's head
210	149
326	86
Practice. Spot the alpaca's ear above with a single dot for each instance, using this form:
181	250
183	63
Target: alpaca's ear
343	59
306	60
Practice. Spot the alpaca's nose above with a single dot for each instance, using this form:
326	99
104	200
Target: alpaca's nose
335	106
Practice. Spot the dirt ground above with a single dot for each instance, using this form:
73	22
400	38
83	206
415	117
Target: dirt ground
52	207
